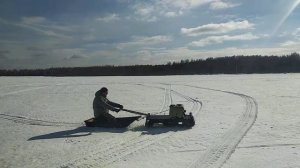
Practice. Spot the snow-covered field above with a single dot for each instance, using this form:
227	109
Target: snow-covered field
242	121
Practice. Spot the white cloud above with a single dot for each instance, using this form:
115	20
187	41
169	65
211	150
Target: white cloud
145	41
216	28
33	23
43	23
171	14
218	5
145	12
33	20
182	4
108	18
144	55
290	44
179	6
151	11
297	32
220	39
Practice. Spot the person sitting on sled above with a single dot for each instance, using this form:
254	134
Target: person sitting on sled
102	105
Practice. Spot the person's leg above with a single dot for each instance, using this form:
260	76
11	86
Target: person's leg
111	119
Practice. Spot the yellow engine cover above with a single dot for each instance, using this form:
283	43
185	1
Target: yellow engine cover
177	110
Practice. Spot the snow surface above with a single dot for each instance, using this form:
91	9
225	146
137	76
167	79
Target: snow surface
241	121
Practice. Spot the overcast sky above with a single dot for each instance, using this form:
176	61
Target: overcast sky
57	33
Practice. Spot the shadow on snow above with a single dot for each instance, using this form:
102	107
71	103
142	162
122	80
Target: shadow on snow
158	129
77	132
86	131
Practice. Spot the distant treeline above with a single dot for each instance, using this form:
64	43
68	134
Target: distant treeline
223	65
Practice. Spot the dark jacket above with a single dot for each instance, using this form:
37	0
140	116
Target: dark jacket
102	105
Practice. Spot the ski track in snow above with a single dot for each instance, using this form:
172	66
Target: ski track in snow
116	150
221	151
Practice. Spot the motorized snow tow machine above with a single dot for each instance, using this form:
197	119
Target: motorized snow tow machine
176	117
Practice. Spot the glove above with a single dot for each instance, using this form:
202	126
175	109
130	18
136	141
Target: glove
117	110
120	106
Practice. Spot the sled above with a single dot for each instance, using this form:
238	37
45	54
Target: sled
121	122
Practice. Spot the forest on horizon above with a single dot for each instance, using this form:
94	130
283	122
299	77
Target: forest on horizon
221	65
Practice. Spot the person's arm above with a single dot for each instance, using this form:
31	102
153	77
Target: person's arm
115	104
106	103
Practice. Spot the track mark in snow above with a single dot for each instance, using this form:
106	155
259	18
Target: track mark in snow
115	151
197	104
167	100
170	94
270	145
30	121
20	91
221	151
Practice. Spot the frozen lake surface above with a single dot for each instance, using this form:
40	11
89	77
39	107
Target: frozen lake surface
241	121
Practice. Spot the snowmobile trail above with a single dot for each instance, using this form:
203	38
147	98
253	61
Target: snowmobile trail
117	149
170	90
195	108
222	149
167	101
